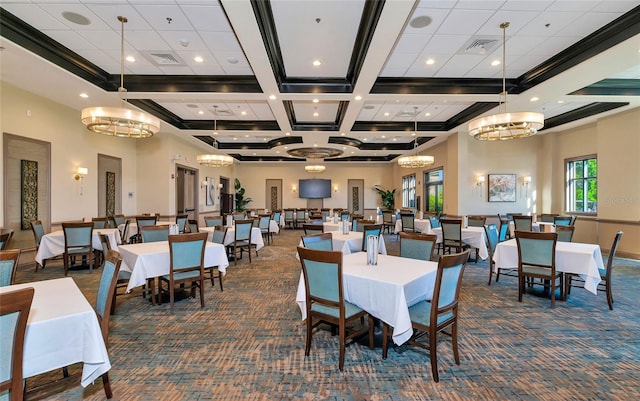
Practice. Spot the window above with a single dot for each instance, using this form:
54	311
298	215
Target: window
582	184
434	190
409	191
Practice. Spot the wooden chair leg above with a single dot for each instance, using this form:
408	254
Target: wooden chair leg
107	385
433	355
220	280
609	295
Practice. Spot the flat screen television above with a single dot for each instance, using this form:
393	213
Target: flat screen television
314	189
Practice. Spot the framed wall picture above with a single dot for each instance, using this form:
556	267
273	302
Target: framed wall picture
211	191
502	188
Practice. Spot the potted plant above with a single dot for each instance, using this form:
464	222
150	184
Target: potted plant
241	201
387	197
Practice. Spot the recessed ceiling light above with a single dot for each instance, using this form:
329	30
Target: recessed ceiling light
232	60
315	145
246	136
272	97
286	147
358	97
316	63
560	101
192	106
534	99
315	114
244	113
131	59
364	139
344	147
254	153
427	114
384	136
495	62
84	95
352	152
413	134
386	114
264	139
200	112
430	61
394	139
235	138
342	134
198	59
315	100
277	151
288	133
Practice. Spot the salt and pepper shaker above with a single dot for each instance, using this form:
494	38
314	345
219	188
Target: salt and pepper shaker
372	250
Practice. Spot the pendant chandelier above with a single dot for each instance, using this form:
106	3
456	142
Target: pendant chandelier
120	121
504	126
415	160
215	159
315	168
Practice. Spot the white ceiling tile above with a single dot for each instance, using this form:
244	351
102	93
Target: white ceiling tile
146	40
207	18
520	45
410	43
517	20
479	5
208	68
304	111
459	65
105	40
110	12
158	17
237	70
584	25
461	22
70	39
445	4
421	69
444	44
224	58
34	16
548	23
56	10
399	62
519	5
176	70
572	5
262	111
102	60
175	40
613	6
220	41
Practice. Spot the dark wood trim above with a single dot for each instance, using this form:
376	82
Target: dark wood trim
385	126
285	140
380	159
469	114
242	158
611	87
580	113
191	83
368	23
312	126
447	86
356	143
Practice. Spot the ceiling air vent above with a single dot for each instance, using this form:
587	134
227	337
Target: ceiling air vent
163	58
479	45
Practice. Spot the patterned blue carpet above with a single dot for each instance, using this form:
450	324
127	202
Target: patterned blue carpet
248	343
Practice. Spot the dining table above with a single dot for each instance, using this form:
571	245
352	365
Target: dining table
475	237
256	236
133	228
419	225
351	243
149	260
538	226
571	257
52	244
385	291
62	329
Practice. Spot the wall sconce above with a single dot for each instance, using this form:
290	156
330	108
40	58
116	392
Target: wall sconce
335	188
526	180
81	172
204	184
293	188
479	182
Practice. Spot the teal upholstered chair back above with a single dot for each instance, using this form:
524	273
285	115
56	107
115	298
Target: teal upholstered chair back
108	279
435	222
522	223
387	216
289	215
276	217
263	223
565	233
142	221
219	233
344	215
14	312
181	221
324	279
504	230
118	219
78	237
417	246
99	223
547	218
4	239
8	266
476	221
322	242
212	221
536	249
193	226
187	254
239	216
449	285
451	230
562	220
492	236
407	221
243	230
300	215
370	229
154	233
38	231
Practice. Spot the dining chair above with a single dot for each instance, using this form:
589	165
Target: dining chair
523	223
242	239
322	241
186	255
476	221
325	303
181	221
408	220
310	229
123	276
38	232
565	233
8	266
5	238
263	223
493	238
537	260
124	231
212	221
78	241
154	233
452	236
370	229
276	216
562	220
387	221
143	221
358	224
605	274
14	313
104	300
417	246
573	220
239	216
116	220
504	231
289	218
434	221
344	215
300	217
100	222
192	226
441	312
547	217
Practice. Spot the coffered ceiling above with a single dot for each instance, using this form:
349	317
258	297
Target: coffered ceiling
274	76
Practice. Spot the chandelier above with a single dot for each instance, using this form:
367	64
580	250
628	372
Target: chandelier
120	121
416	160
215	159
315	168
503	126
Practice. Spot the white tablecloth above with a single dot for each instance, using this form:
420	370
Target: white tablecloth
386	290
273	227
62	330
571	257
473	236
151	259
422	226
351	243
52	244
133	228
534	227
256	236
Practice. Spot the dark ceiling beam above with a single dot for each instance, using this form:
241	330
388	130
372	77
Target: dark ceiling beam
468	114
406	126
285	140
315	126
356	143
191	83
243	158
580	113
385	158
444	86
611	87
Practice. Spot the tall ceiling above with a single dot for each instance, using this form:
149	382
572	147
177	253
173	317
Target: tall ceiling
392	74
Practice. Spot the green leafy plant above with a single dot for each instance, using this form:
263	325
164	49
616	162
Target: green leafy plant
387	197
241	201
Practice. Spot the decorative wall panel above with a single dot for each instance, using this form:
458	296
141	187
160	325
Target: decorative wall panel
111	194
29	193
